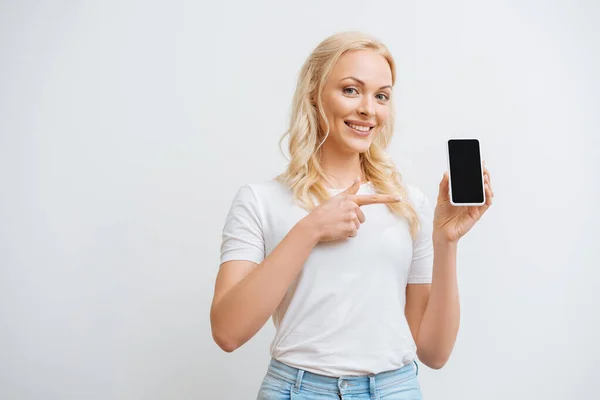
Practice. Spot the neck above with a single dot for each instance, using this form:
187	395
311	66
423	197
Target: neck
341	168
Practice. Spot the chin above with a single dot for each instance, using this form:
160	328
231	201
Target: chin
350	143
358	145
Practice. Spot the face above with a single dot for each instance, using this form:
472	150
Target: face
356	100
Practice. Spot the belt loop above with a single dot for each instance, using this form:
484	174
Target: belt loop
298	380
416	365
372	386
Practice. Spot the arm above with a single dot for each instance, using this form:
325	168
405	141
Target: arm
433	310
246	297
246	294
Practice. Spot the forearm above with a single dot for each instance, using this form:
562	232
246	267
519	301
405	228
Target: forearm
245	308
439	325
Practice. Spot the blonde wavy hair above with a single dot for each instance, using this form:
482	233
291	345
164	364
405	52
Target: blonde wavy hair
304	174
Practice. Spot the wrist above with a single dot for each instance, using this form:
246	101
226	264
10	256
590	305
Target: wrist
442	241
309	229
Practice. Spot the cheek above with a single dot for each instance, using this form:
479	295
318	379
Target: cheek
340	106
383	115
337	110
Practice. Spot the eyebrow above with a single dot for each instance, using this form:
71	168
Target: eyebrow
362	83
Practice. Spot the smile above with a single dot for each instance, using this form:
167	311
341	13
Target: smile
359	129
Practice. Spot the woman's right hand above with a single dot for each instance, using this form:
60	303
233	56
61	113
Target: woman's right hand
340	216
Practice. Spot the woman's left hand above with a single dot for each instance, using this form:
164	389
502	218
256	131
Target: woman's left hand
450	223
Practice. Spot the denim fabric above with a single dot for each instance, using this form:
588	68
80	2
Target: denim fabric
285	382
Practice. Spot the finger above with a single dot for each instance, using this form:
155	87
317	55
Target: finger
356	222
489	181
444	190
366	199
488	195
352	232
487	184
353	188
486	171
360	214
444	182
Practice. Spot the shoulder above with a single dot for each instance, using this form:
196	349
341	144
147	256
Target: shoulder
265	189
261	192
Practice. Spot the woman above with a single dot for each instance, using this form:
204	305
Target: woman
357	271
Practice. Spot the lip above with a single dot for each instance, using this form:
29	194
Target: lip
360	133
360	123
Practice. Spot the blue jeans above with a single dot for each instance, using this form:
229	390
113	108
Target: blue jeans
289	383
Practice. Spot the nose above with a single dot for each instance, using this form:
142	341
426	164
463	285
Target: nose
366	107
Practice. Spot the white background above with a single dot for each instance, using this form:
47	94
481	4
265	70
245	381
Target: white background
127	126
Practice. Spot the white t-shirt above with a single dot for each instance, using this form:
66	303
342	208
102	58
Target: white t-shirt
344	313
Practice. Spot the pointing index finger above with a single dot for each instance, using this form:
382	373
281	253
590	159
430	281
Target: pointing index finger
366	199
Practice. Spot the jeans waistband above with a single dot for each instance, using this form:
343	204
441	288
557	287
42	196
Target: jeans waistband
344	384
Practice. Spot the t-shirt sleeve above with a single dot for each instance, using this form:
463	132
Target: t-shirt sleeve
421	266
243	237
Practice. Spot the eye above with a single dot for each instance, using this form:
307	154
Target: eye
348	90
382	97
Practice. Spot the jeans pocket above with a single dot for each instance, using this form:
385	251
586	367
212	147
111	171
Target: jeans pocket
272	388
408	389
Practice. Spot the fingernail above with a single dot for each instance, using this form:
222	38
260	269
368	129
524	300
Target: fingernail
398	198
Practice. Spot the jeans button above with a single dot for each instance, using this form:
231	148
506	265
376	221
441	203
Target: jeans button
344	384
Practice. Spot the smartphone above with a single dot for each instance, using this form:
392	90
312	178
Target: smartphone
465	171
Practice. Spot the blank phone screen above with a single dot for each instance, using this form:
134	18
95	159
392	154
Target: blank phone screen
465	170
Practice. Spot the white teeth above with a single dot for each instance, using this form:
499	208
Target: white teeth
359	127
